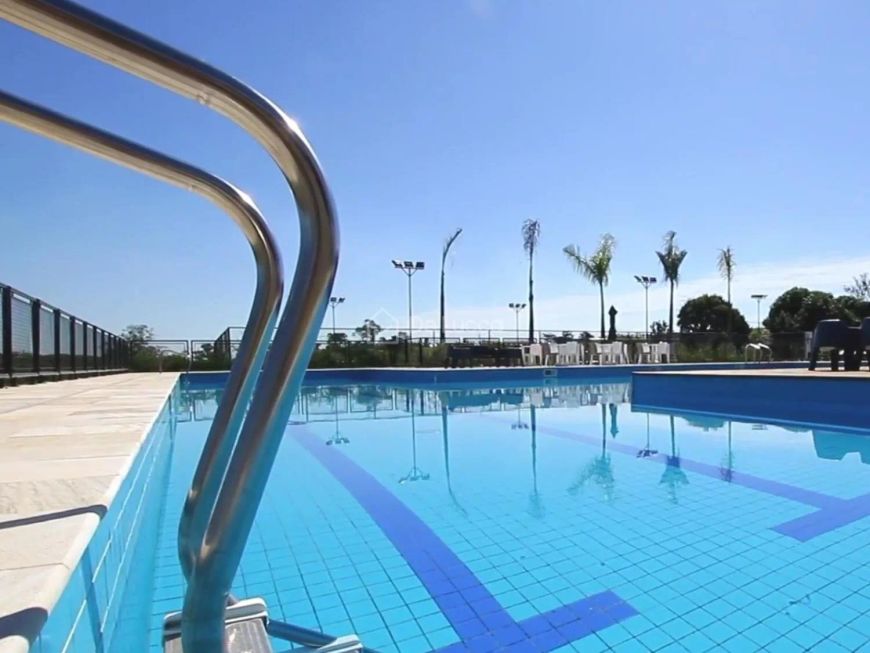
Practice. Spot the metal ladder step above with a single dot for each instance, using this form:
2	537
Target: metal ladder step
246	631
247	636
244	628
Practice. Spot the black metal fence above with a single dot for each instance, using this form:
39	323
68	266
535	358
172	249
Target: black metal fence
468	335
202	355
37	339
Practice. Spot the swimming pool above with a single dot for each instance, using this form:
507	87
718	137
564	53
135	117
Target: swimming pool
543	518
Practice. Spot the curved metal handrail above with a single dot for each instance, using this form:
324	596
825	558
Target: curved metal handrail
232	513
240	207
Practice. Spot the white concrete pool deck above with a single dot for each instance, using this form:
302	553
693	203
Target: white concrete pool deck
65	448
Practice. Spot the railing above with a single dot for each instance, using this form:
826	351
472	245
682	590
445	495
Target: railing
432	334
229	511
37	338
218	355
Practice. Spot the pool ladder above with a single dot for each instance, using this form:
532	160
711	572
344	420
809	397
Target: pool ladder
264	380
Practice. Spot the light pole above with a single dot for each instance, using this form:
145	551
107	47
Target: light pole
758	299
517	307
409	268
333	302
646	282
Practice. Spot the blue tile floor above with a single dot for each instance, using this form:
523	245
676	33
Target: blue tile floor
548	519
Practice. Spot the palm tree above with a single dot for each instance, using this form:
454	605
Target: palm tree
595	267
444	250
725	262
671	259
531	234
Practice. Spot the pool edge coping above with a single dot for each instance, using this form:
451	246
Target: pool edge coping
56	576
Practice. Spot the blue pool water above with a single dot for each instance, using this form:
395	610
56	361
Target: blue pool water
550	518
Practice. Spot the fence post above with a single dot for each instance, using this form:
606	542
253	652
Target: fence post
6	299
420	349
72	344
56	318
35	330
96	354
84	345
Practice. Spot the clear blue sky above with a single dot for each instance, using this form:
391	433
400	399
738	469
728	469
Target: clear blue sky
737	123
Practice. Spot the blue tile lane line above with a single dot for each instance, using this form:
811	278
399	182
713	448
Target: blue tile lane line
808	526
479	620
832	513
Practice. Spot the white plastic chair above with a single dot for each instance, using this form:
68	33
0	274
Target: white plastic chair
579	353
570	353
598	352
604	352
662	350
619	352
527	355
550	354
644	352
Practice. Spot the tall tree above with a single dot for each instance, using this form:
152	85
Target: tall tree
860	288
671	258
725	262
444	250
800	309
531	234
369	330
595	267
137	333
712	314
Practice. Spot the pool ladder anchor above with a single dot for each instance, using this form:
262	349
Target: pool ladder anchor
247	628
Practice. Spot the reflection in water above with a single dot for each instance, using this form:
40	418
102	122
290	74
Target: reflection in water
335	405
646	452
445	438
415	474
673	476
372	397
614	427
536	506
726	471
831	445
337	438
318	403
599	469
705	422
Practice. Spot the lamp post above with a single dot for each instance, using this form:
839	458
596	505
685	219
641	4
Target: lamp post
646	282
517	307
409	268
758	298
333	302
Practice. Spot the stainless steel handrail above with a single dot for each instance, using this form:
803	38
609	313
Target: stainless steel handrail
231	516
240	207
270	274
